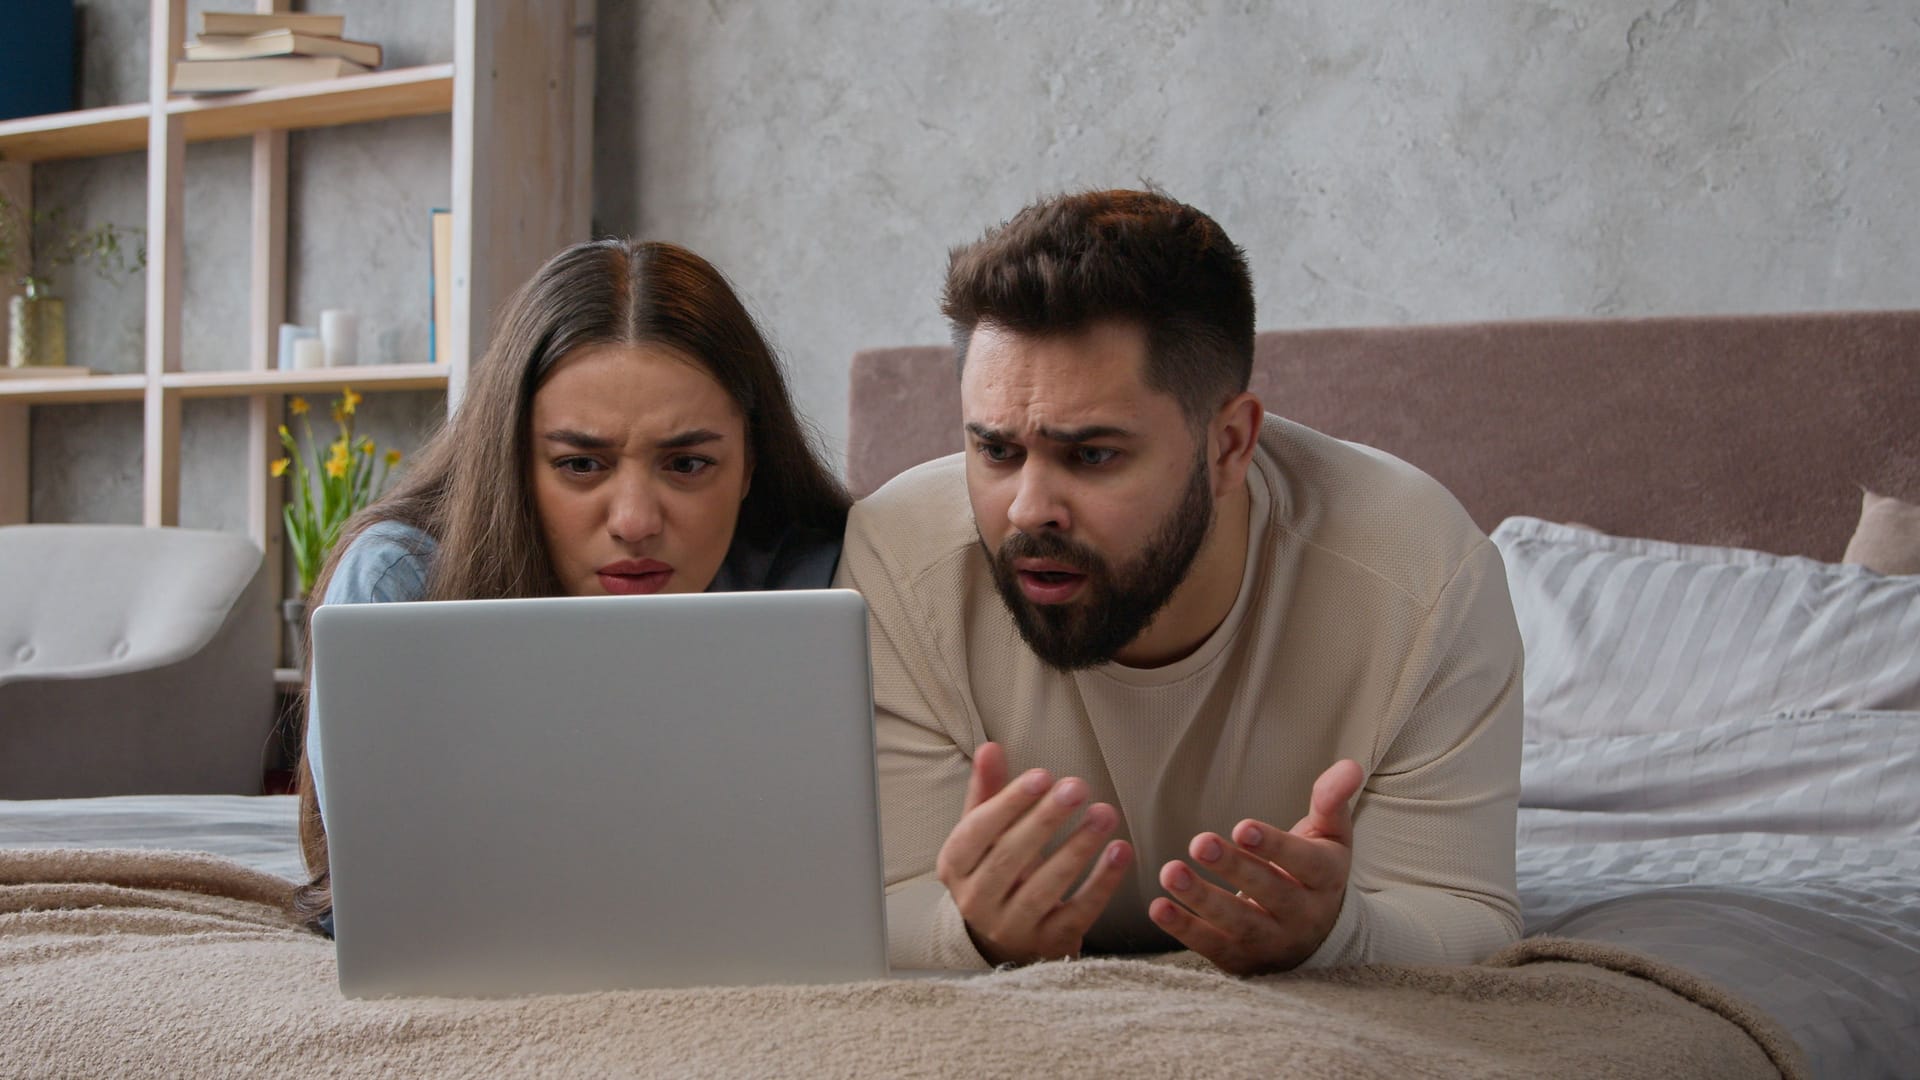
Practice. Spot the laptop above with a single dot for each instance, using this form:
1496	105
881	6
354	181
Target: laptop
572	794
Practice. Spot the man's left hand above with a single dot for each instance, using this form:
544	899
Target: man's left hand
1291	884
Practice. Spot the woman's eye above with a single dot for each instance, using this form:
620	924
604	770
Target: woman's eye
1093	455
687	465
577	466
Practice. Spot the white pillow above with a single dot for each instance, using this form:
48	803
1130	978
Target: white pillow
1629	636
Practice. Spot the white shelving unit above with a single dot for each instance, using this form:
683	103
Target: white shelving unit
520	97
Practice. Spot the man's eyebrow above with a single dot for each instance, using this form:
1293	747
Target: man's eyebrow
1071	436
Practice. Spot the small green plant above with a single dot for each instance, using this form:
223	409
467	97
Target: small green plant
110	249
326	492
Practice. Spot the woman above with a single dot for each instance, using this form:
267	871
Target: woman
627	432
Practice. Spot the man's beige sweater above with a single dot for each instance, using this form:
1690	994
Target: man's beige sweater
1372	622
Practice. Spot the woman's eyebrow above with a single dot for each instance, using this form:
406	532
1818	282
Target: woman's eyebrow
693	437
578	439
582	440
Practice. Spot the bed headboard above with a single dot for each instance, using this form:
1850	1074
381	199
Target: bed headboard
1754	431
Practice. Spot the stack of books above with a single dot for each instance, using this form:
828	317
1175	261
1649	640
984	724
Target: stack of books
245	51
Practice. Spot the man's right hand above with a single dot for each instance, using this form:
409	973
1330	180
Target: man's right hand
994	863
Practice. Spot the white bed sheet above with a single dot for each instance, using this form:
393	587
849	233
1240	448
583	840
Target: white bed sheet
1778	857
258	831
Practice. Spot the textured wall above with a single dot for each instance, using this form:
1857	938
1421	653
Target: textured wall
1415	161
1422	160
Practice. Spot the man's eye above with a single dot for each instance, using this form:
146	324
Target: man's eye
1093	455
688	465
996	452
577	466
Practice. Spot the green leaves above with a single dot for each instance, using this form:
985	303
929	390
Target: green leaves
111	249
327	492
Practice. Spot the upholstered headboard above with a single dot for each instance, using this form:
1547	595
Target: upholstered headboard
1756	431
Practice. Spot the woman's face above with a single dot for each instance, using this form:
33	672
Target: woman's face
638	462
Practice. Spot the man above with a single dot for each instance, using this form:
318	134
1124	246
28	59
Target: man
1197	630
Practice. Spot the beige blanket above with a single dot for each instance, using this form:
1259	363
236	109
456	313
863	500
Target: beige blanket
169	964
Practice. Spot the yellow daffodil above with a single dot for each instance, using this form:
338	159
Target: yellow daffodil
330	485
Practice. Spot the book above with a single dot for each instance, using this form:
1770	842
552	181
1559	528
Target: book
440	288
42	371
281	43
247	22
218	76
36	76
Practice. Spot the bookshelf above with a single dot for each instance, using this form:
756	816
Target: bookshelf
519	97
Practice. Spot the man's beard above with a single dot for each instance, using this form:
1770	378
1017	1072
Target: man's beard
1113	608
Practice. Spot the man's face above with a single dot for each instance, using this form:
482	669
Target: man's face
1091	492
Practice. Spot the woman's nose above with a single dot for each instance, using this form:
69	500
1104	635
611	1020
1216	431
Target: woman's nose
634	513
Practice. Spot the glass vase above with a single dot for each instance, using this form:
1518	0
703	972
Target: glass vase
38	334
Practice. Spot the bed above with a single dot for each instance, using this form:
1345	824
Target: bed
1719	844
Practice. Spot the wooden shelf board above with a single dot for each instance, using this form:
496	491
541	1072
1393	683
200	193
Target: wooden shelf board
367	377
115	129
377	95
73	390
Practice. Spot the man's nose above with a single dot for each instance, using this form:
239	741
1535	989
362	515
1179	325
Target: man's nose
1039	501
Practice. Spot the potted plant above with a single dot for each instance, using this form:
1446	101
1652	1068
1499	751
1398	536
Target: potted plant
39	319
326	492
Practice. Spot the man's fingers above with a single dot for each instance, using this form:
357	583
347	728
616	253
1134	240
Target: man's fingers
1190	930
1258	879
1040	895
980	829
1020	846
1232	915
1332	813
989	775
1311	862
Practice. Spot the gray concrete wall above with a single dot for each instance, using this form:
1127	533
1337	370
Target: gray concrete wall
1423	160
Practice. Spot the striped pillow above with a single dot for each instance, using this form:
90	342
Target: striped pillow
1627	636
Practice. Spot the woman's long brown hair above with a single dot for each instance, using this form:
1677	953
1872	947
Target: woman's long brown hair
467	487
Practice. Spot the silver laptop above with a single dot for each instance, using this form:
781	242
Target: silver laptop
558	795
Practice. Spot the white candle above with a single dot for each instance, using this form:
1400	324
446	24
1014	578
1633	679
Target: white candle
309	353
341	333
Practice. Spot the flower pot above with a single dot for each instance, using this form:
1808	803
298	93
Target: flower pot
39	332
295	614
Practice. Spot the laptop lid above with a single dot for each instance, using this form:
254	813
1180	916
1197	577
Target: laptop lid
600	792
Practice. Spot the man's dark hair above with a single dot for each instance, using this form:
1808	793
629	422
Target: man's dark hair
1067	262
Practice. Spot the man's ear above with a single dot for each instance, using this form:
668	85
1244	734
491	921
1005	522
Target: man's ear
1232	435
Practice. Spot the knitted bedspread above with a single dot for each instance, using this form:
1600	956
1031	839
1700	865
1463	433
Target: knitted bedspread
134	964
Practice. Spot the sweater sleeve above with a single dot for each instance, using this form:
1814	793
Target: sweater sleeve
386	563
923	736
1433	866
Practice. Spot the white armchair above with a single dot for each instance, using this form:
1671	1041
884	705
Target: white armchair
132	661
